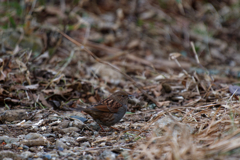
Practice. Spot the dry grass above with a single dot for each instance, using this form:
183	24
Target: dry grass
181	109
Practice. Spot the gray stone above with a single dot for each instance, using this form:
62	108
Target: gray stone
70	129
75	134
108	155
8	154
13	115
7	146
64	124
25	147
85	145
68	153
49	135
16	143
33	136
7	159
94	126
79	124
60	144
26	154
70	140
86	157
8	139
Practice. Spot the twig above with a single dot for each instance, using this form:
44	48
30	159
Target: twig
195	53
112	66
112	57
68	61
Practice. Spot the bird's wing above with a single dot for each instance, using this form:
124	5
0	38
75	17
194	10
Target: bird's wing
108	105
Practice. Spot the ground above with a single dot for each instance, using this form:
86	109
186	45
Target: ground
179	60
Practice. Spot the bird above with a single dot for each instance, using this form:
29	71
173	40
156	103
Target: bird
110	110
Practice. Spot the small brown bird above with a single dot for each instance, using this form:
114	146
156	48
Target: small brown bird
110	110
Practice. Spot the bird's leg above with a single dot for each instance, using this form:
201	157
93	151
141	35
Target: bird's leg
102	127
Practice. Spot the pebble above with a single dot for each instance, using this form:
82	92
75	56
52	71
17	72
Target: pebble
108	155
80	118
70	129
70	140
94	126
60	144
49	135
85	145
81	139
78	124
64	124
86	157
26	154
31	136
68	153
25	147
7	146
47	157
8	154
7	159
8	139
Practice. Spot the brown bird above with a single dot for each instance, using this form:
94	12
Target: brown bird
110	110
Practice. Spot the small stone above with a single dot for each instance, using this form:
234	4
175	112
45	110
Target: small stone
86	157
16	144
68	153
7	159
33	136
85	145
79	124
33	149
20	148
8	139
74	114
49	135
26	154
79	118
64	124
102	144
94	126
108	155
67	139
7	146
70	129
60	148
13	115
47	157
60	144
8	154
81	139
25	147
75	134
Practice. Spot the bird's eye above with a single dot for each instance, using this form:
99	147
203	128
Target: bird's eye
123	95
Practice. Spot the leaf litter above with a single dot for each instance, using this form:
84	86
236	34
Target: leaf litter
178	59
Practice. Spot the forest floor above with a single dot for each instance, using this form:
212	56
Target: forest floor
179	59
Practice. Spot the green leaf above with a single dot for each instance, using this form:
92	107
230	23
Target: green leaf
129	113
13	24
